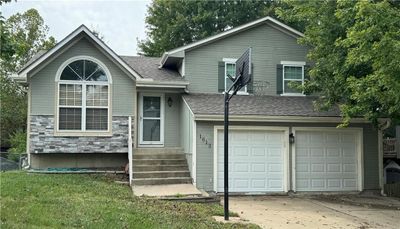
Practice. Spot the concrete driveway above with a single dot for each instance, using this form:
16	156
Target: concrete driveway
318	211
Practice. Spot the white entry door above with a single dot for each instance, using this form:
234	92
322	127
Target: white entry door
151	120
327	160
256	161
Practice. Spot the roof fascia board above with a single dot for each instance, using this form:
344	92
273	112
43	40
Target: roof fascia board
66	40
228	32
262	118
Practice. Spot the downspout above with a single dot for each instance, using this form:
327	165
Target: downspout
383	127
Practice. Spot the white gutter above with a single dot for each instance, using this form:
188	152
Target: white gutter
263	118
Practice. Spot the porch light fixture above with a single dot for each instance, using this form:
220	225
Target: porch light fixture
291	138
169	101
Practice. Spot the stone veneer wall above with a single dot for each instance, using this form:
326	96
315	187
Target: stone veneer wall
42	139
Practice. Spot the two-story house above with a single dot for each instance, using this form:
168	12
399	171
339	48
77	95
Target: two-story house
86	103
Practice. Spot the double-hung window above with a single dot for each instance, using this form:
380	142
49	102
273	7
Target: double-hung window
83	97
230	69
293	76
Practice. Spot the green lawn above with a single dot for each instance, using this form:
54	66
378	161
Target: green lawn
93	201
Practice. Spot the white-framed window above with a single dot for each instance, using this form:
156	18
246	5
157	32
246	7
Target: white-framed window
293	73
83	96
230	69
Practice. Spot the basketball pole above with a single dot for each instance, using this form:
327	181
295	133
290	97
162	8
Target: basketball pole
236	86
227	98
226	124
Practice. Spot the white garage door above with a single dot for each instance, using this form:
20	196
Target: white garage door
256	161
326	161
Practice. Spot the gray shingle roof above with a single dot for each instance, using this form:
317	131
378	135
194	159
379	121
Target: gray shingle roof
148	67
213	104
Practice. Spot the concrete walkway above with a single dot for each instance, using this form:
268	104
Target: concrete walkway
305	212
166	190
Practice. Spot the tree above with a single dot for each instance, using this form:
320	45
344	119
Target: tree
27	34
22	35
355	46
171	24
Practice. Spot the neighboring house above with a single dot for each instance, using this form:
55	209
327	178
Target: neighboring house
81	95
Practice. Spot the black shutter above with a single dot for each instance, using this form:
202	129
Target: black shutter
221	76
279	79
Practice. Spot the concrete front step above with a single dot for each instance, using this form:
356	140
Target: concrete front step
160	181
171	150
142	168
180	156
161	174
159	162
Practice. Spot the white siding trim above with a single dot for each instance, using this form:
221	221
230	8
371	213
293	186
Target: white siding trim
293	63
285	130
194	153
360	151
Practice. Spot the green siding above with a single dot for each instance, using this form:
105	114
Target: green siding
270	46
171	121
205	158
43	84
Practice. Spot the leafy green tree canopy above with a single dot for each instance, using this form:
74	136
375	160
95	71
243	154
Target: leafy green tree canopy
26	34
355	46
171	24
22	36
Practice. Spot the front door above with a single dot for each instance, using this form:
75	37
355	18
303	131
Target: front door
151	119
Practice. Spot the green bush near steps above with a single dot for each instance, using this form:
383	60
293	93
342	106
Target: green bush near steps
18	145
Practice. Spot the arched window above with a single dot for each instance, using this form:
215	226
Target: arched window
83	96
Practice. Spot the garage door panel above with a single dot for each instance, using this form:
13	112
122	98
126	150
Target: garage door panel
256	161
258	167
334	168
275	152
318	167
240	150
259	151
316	137
333	152
327	165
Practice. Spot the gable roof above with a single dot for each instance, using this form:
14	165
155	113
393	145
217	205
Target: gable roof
41	57
177	52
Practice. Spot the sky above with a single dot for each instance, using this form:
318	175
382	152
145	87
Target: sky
120	22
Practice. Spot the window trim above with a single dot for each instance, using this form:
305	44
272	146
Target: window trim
83	131
232	61
292	64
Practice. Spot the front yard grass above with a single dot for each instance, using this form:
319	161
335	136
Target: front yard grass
93	201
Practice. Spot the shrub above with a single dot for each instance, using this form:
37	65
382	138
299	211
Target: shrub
18	145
